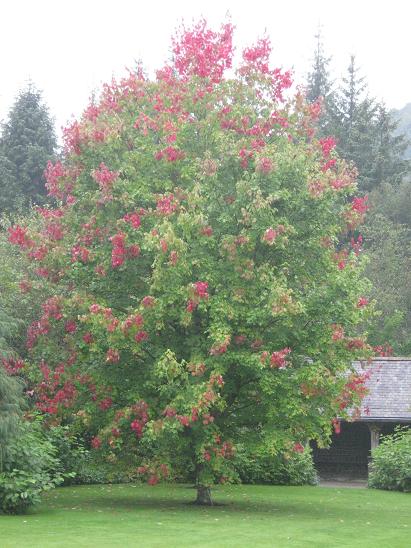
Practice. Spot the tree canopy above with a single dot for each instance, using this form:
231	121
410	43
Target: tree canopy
200	294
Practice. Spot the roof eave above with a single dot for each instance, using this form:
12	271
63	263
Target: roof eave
381	419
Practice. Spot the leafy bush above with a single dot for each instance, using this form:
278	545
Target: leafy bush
391	462
79	466
10	404
94	471
20	489
29	467
290	469
71	453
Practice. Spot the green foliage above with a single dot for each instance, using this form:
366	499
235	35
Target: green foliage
23	455
365	133
263	468
195	269
9	322
391	462
11	399
8	328
373	140
95	471
387	235
20	489
79	466
403	116
393	201
30	467
70	452
389	162
26	144
10	410
30	450
389	271
20	299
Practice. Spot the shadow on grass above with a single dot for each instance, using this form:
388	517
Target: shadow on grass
129	499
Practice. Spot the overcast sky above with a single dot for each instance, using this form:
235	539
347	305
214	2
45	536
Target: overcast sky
68	48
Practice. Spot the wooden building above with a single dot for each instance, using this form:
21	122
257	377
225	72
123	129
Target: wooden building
387	404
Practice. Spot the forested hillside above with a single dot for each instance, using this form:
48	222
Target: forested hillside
403	116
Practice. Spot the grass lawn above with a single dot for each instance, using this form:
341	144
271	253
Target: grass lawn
249	516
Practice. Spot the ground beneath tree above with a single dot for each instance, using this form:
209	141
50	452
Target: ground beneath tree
139	516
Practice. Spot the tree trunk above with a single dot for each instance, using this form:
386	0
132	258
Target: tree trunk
203	496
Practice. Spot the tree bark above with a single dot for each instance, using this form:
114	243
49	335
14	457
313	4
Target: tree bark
203	496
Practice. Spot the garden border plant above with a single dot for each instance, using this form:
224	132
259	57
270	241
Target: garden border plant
391	462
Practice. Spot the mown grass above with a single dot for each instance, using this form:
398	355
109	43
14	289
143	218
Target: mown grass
247	516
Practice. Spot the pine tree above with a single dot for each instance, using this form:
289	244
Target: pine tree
390	146
27	142
366	132
352	117
318	79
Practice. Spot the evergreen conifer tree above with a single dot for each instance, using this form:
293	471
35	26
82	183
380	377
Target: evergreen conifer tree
318	79
27	142
389	146
365	132
352	117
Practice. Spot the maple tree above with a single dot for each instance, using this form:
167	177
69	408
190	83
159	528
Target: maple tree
200	296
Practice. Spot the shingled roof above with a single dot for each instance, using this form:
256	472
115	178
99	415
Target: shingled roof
389	385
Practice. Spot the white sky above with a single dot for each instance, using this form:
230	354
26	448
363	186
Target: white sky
68	48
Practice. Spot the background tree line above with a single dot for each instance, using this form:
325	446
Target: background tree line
375	141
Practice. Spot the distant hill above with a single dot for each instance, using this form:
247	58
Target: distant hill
404	117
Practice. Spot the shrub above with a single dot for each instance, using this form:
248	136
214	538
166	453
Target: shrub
29	467
93	471
10	404
260	467
71	453
20	489
391	462
79	466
